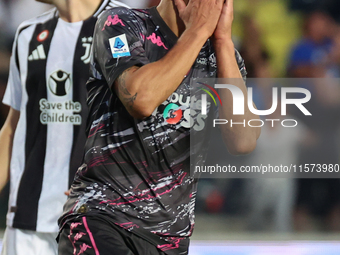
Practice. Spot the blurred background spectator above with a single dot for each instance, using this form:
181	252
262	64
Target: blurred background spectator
291	39
278	39
316	55
13	12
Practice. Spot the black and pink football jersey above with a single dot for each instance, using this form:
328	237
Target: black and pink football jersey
136	172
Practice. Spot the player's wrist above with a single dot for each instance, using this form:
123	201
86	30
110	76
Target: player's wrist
225	42
197	34
224	45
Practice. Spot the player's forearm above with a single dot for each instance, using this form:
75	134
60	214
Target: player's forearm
5	157
6	141
240	139
152	84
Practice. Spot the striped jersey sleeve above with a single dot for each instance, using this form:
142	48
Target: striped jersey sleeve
13	92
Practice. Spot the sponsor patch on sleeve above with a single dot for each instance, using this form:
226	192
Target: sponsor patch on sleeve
119	46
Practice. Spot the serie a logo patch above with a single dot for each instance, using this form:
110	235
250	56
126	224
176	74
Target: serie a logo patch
119	46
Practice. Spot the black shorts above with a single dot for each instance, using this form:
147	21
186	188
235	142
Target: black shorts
94	236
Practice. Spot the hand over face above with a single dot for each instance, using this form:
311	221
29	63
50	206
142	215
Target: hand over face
200	15
223	28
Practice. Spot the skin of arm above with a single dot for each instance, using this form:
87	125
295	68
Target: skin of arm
238	139
6	141
143	89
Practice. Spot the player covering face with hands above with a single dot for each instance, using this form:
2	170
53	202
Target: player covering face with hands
216	23
134	193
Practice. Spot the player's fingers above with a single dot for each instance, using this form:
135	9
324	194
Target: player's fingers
180	4
228	9
230	5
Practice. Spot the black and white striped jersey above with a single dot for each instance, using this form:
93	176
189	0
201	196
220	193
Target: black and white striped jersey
48	72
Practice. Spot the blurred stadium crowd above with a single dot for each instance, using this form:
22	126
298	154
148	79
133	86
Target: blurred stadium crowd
277	39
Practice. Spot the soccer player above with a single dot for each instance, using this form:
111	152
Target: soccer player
134	194
43	138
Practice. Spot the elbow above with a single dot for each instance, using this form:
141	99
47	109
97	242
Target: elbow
142	104
244	143
242	147
140	111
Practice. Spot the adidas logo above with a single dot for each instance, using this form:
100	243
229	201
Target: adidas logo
38	53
